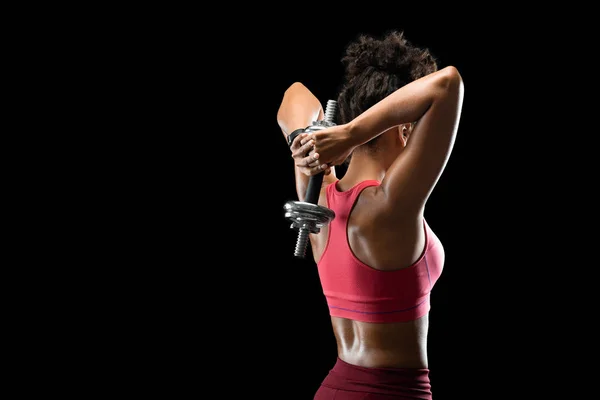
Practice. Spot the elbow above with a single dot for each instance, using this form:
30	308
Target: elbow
450	80
292	90
295	86
286	95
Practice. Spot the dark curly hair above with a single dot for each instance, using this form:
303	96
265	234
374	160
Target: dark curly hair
375	67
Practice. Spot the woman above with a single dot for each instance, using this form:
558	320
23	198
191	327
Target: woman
378	259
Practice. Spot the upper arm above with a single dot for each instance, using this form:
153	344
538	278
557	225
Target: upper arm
413	175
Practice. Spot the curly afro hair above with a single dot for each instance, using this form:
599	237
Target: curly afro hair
375	67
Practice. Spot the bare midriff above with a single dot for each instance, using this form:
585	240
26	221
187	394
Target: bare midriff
382	345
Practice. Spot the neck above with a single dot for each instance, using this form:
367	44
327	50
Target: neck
364	167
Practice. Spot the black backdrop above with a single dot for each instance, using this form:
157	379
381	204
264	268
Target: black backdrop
460	210
313	340
217	300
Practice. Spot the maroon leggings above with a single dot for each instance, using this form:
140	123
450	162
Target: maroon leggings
350	382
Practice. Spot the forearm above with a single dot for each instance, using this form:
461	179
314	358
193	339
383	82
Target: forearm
405	105
301	183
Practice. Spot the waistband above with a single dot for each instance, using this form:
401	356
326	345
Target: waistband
411	383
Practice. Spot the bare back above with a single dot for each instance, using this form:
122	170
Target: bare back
375	241
385	227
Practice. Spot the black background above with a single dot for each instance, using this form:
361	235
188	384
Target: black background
321	71
462	210
176	276
224	305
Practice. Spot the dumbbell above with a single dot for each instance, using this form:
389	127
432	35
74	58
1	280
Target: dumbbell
308	216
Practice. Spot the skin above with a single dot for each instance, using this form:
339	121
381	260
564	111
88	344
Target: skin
385	228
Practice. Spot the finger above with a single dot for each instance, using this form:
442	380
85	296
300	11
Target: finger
319	169
298	141
307	137
315	163
306	147
303	150
307	161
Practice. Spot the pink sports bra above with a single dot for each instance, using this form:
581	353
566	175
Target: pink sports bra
359	292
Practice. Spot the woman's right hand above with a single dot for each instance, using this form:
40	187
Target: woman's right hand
332	146
305	158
